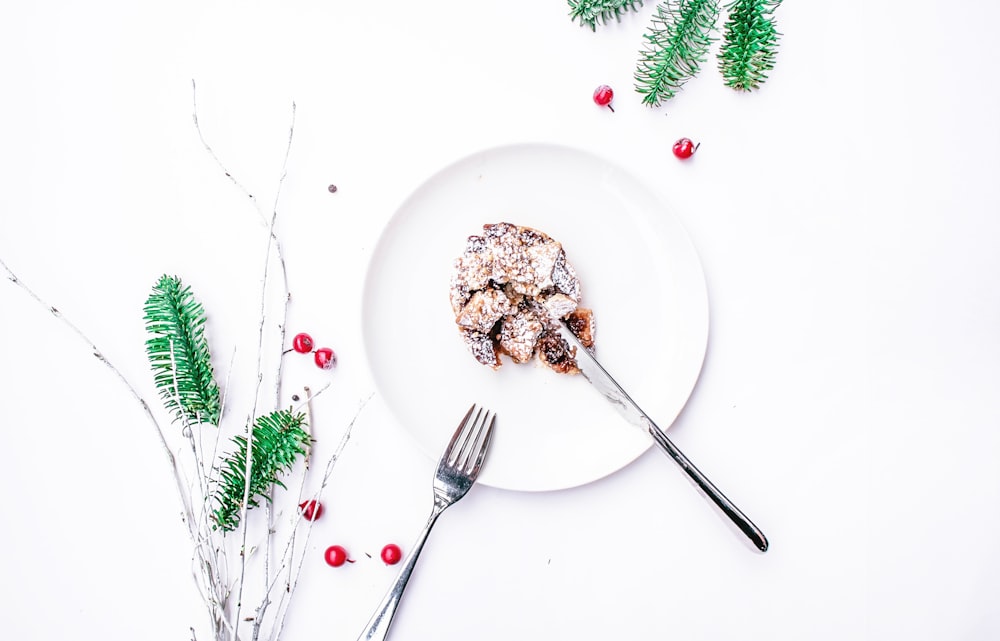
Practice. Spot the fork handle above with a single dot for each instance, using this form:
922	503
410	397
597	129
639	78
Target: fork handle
378	626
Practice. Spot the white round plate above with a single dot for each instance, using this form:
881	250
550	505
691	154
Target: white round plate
639	273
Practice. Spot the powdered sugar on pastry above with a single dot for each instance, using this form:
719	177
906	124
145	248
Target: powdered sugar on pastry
508	286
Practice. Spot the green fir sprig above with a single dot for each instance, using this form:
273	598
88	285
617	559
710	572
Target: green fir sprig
278	441
590	12
179	355
750	43
675	46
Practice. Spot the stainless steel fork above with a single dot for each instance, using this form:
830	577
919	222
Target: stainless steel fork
460	465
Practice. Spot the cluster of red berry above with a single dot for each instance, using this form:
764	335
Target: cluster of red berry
324	357
682	149
336	555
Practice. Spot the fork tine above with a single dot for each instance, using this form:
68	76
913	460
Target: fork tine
453	449
478	436
467	449
470	434
483	444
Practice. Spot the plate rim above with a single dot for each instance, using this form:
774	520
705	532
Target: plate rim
693	262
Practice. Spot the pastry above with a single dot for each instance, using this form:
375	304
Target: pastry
509	288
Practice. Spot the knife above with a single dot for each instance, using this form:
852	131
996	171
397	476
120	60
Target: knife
599	377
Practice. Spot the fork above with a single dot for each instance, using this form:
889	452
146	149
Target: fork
460	465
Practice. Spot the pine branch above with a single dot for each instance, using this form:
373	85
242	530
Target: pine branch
750	43
178	353
675	46
590	12
206	561
278	439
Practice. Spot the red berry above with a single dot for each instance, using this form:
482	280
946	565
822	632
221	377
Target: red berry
391	554
336	556
684	148
603	96
311	510
325	358
302	343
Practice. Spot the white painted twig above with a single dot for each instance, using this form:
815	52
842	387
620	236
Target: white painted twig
293	577
188	515
273	244
274	240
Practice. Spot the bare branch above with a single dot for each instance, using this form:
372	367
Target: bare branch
293	578
273	245
274	240
99	355
187	514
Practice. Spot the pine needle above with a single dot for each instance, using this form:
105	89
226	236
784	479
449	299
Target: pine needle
590	12
676	44
179	355
278	441
749	43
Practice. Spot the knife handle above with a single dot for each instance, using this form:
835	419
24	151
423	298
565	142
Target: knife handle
728	508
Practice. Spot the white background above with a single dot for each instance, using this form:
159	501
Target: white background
846	216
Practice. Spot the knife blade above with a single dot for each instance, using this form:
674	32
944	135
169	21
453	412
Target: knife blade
599	377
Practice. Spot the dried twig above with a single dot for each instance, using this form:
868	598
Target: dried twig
293	577
209	558
273	245
274	241
188	516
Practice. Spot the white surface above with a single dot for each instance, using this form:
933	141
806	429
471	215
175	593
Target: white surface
638	271
846	217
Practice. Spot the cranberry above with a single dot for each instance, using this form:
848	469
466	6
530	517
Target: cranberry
311	510
302	343
332	189
603	96
684	148
336	556
325	358
391	554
